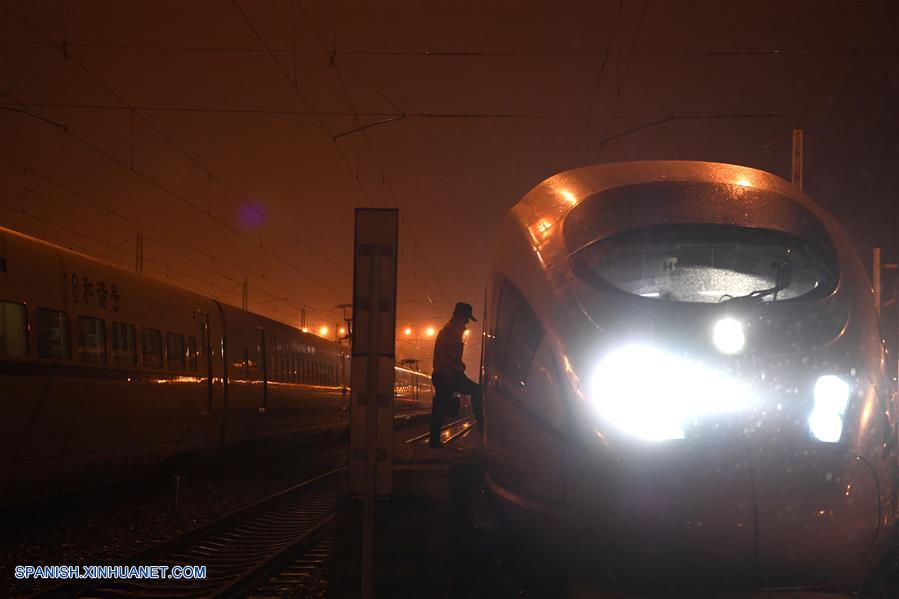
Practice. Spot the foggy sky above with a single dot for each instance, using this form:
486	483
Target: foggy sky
215	136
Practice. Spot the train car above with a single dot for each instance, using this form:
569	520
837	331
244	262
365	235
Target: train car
685	382
413	390
106	374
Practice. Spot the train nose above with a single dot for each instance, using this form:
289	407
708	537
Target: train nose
739	516
676	513
818	515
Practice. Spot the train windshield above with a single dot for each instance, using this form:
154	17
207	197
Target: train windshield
708	264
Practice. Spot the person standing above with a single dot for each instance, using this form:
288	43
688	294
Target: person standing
449	371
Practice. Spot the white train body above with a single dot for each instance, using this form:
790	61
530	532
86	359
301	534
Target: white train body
684	379
105	374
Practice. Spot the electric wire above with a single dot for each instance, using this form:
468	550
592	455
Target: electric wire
445	115
404	219
143	228
177	146
453	53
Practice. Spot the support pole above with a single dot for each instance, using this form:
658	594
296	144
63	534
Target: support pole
796	176
139	253
372	373
371	417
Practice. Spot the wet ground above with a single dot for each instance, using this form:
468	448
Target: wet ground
103	525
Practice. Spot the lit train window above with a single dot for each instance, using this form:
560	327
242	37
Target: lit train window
52	334
151	348
124	344
13	329
708	264
192	354
91	340
174	349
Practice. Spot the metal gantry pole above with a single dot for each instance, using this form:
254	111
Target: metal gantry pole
797	167
372	373
371	418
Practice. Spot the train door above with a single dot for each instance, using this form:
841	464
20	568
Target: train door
345	384
263	370
204	353
524	400
215	347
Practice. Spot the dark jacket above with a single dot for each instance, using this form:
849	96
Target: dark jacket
448	350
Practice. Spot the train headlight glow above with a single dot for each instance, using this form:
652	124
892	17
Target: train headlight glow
831	399
728	336
653	395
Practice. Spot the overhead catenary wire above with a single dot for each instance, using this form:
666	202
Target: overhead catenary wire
404	219
172	142
166	269
455	53
622	80
132	108
445	114
296	87
142	227
184	200
597	82
319	118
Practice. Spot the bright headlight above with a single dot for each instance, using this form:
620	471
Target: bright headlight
653	396
728	336
831	399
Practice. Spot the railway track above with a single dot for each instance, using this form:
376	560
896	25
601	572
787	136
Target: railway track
276	547
458	429
302	574
237	550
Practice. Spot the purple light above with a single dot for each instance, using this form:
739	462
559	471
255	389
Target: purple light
252	215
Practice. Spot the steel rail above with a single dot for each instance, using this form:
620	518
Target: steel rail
237	549
424	436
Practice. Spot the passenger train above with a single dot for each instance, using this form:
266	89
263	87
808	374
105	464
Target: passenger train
105	374
684	381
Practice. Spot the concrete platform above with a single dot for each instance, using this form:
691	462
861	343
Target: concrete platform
417	527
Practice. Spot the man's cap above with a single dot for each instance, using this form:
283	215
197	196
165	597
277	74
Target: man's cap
463	309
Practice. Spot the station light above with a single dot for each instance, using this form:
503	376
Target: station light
407	331
323	331
342	331
466	333
305	330
430	331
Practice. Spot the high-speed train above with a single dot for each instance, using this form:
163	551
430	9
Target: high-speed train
105	374
684	381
